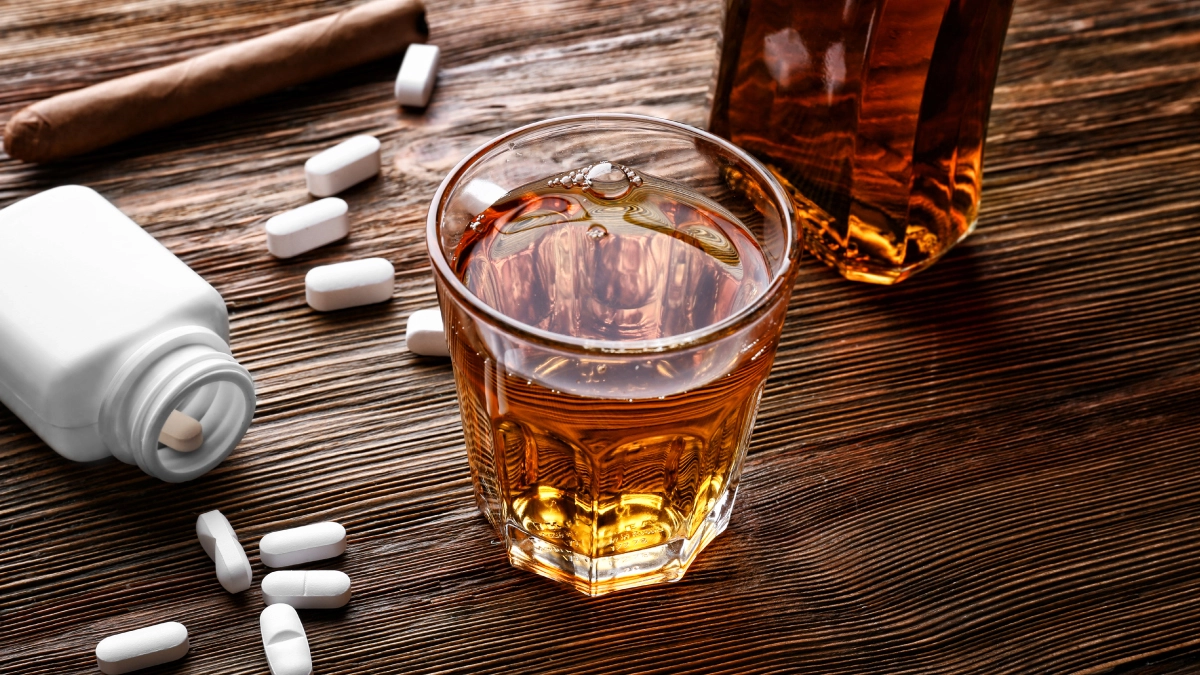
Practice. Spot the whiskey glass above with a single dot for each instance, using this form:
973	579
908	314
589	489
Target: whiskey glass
610	463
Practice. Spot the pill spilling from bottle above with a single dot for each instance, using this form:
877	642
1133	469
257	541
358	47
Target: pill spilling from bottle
221	544
345	164
301	545
418	73
181	432
142	648
308	227
284	641
349	284
425	334
307	589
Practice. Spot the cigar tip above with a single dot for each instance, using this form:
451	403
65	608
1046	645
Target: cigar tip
23	133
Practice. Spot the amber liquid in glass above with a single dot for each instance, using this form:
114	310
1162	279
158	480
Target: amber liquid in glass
872	113
607	476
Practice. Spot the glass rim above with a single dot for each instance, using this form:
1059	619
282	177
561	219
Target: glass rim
710	333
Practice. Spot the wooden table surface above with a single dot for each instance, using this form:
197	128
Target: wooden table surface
991	468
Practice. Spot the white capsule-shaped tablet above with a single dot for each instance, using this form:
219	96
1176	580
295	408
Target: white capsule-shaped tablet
347	163
480	194
307	589
221	544
349	284
284	641
425	334
142	648
310	226
418	72
300	545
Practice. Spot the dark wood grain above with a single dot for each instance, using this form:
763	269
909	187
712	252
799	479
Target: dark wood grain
992	468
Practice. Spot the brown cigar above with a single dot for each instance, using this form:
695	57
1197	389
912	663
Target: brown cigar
90	118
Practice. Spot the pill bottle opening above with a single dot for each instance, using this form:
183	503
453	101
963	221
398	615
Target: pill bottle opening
217	410
178	406
208	389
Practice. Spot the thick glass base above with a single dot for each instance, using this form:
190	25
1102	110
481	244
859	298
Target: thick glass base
597	576
859	253
861	268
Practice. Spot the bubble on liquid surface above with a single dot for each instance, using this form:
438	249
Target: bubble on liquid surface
607	181
597	231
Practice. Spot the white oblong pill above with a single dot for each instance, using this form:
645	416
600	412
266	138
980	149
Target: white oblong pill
300	545
425	334
347	163
480	194
310	226
284	641
221	544
418	72
349	284
307	589
142	648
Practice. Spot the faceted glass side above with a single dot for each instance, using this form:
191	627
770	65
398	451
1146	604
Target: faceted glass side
611	508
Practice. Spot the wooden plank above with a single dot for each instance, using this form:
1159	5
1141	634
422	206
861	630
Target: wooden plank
990	468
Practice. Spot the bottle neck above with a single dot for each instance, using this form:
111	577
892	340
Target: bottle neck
187	369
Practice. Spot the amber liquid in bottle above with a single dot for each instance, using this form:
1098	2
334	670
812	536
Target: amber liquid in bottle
604	476
873	114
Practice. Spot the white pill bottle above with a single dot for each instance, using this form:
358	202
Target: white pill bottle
104	332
